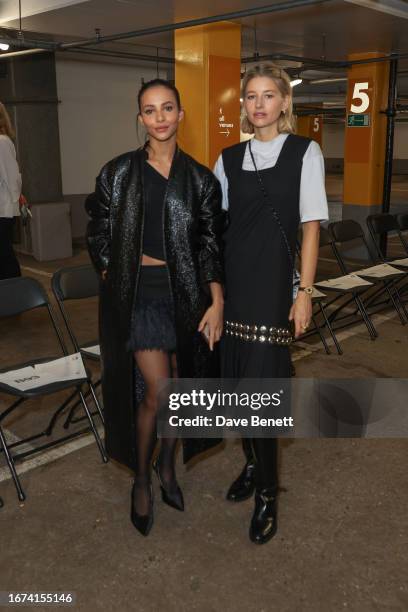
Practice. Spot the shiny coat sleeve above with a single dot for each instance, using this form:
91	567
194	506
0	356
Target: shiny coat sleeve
211	226
98	233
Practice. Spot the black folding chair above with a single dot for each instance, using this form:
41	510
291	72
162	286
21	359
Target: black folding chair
78	283
350	231
19	295
385	224
355	290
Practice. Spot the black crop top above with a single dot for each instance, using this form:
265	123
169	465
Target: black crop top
154	190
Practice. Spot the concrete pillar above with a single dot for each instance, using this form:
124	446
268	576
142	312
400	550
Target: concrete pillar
311	126
364	152
208	77
29	91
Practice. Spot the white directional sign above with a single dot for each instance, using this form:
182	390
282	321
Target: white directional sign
223	124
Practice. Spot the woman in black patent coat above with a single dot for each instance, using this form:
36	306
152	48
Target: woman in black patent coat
192	220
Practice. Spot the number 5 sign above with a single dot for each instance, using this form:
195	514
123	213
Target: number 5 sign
359	96
359	125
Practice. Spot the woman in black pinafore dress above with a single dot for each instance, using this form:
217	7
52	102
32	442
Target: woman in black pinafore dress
259	250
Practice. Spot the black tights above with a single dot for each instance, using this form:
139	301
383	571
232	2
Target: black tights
153	366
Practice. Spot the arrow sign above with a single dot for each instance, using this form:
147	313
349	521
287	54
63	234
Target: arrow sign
227	132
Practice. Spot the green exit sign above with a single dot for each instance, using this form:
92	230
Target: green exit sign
361	120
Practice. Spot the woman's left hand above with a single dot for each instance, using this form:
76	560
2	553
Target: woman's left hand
301	313
212	323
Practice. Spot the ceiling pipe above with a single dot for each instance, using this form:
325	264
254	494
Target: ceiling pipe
28	43
270	8
293	58
123	55
342	64
46	47
374	60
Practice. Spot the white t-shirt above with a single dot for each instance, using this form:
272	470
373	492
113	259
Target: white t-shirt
312	200
10	179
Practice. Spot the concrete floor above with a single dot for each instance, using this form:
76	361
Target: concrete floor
342	535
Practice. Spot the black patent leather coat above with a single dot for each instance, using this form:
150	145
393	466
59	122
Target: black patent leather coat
192	225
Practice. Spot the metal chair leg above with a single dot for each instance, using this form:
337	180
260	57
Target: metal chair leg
395	304
371	329
322	338
71	413
400	300
92	424
96	402
331	330
10	463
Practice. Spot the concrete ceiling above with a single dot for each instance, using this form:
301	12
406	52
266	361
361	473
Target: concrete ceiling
348	26
332	30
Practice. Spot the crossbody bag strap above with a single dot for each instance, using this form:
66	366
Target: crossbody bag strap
273	209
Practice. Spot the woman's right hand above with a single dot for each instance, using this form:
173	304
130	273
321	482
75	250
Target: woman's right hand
22	200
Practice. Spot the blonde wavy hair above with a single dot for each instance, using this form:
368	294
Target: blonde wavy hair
286	122
6	127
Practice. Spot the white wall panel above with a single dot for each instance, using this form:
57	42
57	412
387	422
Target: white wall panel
97	117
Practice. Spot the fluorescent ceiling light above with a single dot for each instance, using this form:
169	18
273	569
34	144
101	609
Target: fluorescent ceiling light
334	80
296	82
398	8
4	47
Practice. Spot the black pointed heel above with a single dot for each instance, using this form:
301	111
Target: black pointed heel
142	522
174	499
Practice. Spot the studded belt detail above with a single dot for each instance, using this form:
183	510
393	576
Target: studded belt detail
259	333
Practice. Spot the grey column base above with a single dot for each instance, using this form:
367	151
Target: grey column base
79	217
51	231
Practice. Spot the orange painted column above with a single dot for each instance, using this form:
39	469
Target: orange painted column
365	138
310	126
208	68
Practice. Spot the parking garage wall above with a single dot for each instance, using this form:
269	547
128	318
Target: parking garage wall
97	121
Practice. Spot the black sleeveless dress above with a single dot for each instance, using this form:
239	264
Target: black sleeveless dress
258	270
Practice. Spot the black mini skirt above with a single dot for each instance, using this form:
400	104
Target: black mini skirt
152	325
